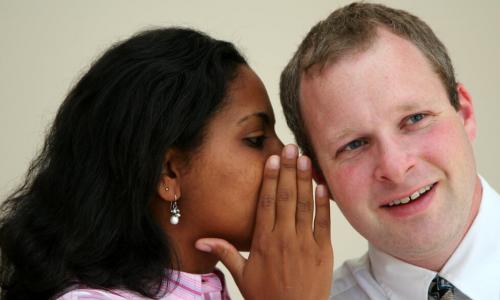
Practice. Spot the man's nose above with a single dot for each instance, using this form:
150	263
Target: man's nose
395	159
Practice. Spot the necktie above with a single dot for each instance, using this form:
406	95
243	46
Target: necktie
441	289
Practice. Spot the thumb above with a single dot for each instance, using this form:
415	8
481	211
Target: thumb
226	253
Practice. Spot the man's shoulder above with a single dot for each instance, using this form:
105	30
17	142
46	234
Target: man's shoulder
345	283
353	280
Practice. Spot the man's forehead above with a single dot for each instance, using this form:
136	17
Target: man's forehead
314	66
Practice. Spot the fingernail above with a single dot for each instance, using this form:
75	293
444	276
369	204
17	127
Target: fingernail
203	247
303	163
290	151
321	190
273	162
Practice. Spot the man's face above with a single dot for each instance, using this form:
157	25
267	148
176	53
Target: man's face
396	155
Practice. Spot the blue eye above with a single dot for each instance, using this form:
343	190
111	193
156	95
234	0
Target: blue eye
256	141
416	118
354	145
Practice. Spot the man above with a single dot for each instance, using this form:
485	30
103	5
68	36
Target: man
371	97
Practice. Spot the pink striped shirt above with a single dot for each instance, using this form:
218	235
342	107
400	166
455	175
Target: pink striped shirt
181	286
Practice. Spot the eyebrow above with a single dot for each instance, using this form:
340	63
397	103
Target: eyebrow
409	107
265	117
342	134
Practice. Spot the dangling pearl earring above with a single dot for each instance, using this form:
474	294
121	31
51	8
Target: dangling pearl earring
175	211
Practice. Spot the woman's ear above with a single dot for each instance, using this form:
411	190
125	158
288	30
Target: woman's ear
169	188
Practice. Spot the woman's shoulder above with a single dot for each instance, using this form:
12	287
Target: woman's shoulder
96	294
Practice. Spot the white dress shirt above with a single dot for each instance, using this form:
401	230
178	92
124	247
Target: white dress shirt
474	267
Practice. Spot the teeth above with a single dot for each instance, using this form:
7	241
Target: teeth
405	200
412	197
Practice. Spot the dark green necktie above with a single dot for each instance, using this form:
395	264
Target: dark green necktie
441	289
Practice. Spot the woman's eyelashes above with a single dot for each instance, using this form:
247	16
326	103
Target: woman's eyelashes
255	141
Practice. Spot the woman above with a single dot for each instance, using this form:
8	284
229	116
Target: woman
162	142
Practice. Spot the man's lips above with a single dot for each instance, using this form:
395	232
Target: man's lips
411	196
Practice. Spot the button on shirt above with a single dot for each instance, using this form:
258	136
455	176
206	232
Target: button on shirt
181	286
474	267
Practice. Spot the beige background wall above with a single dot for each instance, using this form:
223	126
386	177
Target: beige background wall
46	45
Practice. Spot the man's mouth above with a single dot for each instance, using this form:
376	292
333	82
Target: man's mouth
414	196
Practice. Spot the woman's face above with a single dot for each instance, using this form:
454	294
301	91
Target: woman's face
220	187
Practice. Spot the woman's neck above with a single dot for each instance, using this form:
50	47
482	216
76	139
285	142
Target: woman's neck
189	259
182	238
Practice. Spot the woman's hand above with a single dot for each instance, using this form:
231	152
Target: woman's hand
289	258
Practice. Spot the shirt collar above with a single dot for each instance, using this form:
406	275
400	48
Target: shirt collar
398	279
473	268
206	286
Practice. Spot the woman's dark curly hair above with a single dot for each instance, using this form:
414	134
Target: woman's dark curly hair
82	215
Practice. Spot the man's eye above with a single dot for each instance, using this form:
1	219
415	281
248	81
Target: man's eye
354	145
415	118
256	141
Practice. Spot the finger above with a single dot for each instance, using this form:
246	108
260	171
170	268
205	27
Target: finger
322	217
265	215
286	196
304	211
226	253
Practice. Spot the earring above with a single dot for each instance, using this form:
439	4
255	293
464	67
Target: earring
166	188
175	211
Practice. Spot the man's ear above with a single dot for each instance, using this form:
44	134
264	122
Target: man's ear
466	111
169	188
319	178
